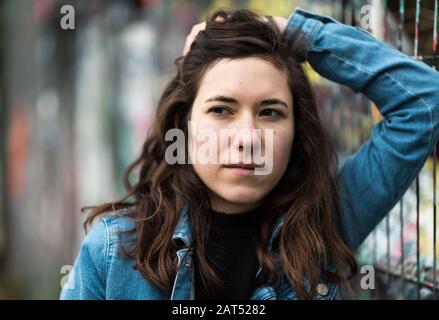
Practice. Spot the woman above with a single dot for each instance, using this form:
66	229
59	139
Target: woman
206	230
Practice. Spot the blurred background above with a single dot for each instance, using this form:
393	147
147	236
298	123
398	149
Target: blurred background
75	105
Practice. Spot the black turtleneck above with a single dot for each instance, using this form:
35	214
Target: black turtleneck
231	248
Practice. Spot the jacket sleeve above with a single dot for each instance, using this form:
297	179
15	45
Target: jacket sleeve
405	91
88	276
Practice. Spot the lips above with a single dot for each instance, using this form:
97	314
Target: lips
250	166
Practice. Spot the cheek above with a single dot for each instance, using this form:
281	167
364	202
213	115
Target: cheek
206	172
282	144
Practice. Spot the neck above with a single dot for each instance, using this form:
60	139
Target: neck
221	205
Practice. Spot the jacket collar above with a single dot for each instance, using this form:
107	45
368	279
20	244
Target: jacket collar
276	230
183	230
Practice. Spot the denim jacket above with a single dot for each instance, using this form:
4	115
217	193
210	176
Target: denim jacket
374	178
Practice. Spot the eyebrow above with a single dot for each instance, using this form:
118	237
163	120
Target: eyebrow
265	102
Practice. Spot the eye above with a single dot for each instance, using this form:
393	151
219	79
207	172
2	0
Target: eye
271	113
220	111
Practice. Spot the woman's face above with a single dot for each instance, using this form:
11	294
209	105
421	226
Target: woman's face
238	96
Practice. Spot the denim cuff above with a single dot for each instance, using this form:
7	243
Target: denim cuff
308	22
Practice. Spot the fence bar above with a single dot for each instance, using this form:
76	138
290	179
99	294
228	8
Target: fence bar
401	237
436	9
401	203
385	25
418	14
426	57
401	23
434	220
385	36
435	26
418	267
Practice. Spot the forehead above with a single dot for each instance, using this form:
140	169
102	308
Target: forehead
250	77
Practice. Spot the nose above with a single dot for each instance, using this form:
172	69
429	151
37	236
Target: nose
246	137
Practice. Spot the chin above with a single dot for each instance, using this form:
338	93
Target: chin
242	196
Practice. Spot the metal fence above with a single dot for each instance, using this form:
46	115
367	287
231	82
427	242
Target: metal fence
403	248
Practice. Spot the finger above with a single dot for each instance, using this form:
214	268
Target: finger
197	27
192	36
194	32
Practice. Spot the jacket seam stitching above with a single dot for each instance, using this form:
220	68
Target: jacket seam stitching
107	246
429	108
317	25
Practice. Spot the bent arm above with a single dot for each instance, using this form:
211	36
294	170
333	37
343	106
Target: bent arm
405	91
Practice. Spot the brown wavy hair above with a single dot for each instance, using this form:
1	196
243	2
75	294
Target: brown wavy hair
307	192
